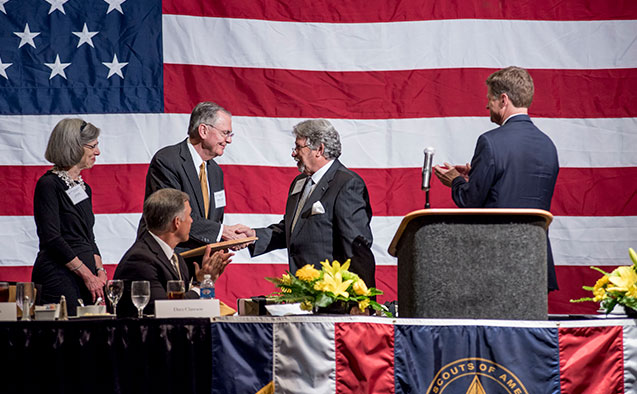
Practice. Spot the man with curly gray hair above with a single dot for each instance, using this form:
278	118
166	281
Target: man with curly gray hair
327	215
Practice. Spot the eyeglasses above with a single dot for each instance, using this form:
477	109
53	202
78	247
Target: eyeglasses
297	148
83	126
224	133
91	147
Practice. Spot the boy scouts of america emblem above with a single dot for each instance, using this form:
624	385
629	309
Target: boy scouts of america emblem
473	376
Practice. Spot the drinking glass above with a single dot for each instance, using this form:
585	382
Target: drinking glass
114	291
140	294
25	297
175	289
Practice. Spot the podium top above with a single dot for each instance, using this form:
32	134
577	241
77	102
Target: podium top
539	213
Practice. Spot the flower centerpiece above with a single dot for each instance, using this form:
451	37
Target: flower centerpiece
321	288
616	287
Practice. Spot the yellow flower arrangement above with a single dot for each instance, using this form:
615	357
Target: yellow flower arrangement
616	287
308	273
320	288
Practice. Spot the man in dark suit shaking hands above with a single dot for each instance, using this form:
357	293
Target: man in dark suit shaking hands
514	165
327	214
189	166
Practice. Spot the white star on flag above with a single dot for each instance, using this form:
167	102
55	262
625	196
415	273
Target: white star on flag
57	68
26	37
85	36
115	5
115	67
3	67
2	2
57	5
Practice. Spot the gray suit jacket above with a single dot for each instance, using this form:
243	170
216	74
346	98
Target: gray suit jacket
342	232
173	167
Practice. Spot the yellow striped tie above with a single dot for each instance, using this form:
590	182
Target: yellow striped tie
204	187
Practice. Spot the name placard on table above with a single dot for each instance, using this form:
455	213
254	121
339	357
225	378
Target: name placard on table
8	311
187	308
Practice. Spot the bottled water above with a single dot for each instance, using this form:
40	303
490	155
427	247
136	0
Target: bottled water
207	288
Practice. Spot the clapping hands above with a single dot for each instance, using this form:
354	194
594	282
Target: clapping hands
213	263
449	172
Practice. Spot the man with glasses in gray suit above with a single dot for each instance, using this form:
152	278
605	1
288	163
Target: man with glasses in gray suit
328	214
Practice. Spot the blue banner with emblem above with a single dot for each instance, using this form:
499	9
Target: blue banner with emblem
476	359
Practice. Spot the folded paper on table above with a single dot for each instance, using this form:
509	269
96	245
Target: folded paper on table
187	308
8	311
217	246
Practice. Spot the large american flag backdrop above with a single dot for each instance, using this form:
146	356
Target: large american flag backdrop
392	76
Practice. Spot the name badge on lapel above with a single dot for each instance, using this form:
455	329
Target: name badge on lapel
220	199
76	194
298	186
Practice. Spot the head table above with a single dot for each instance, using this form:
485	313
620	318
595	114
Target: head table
318	354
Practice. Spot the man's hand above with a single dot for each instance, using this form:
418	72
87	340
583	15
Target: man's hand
448	173
247	231
463	170
238	231
212	263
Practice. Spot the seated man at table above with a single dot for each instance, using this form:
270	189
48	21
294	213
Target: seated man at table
152	256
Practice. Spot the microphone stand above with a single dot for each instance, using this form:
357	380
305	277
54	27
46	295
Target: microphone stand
426	174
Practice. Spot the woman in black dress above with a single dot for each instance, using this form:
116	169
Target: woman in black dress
69	261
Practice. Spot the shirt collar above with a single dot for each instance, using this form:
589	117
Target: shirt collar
316	177
507	119
168	251
196	159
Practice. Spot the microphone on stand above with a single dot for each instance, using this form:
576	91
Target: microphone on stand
426	172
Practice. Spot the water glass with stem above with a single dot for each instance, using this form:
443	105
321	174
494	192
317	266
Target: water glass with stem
114	291
140	294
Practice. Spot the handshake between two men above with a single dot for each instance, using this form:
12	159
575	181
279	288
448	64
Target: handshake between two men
238	232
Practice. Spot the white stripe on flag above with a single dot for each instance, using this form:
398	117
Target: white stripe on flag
575	240
399	45
597	240
304	358
386	143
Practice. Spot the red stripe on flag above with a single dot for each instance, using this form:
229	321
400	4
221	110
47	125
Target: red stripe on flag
365	11
116	188
591	360
246	280
364	358
119	188
237	281
571	278
393	94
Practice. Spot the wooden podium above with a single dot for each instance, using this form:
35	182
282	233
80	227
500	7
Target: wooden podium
472	264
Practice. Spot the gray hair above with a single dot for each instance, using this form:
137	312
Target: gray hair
161	207
204	112
516	82
66	143
317	132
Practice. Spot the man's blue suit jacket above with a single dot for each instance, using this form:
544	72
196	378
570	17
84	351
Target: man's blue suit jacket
514	166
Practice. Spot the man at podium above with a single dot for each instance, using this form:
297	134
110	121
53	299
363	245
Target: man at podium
514	165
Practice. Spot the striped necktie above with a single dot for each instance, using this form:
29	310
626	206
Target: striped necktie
306	193
175	262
